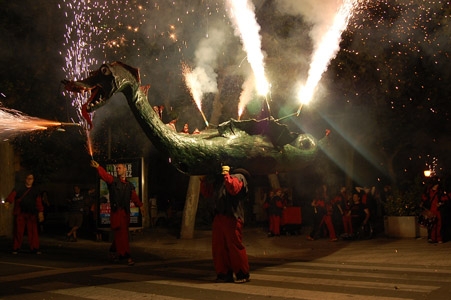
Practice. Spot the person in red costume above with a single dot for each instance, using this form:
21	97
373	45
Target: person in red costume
28	209
121	193
274	207
432	200
229	253
322	215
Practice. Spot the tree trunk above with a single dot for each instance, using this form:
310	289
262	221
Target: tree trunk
190	209
274	181
6	186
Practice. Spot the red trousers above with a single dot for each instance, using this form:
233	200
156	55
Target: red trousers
347	224
274	224
330	227
229	253
121	244
436	230
30	221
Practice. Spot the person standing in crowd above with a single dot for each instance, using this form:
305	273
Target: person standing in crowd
359	213
322	215
319	211
122	192
347	219
433	199
274	207
229	253
338	206
185	128
93	209
28	210
75	219
367	197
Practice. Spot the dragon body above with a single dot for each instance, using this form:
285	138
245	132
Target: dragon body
261	147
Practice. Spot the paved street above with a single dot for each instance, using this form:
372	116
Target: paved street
287	267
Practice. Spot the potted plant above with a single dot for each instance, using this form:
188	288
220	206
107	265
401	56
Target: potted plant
402	208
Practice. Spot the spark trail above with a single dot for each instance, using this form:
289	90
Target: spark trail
195	87
242	15
14	122
326	50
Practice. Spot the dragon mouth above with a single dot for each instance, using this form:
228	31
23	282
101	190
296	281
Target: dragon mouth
96	100
100	84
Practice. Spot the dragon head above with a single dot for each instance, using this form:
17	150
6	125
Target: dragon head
101	84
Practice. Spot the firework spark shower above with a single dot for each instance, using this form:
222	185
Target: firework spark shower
160	37
203	79
394	54
14	122
326	49
98	30
247	28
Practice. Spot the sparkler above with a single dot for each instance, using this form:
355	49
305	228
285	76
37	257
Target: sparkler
69	124
288	116
195	87
299	109
241	12
14	122
326	50
246	95
89	144
203	116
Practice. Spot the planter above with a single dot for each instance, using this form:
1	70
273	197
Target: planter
402	227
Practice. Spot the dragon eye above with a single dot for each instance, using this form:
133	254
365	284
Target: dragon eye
105	70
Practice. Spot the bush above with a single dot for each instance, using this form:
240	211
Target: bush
405	203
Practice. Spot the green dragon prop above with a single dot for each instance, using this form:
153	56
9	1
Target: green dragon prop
261	147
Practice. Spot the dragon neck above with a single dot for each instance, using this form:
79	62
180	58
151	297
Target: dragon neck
162	136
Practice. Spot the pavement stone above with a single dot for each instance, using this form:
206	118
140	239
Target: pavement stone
164	244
